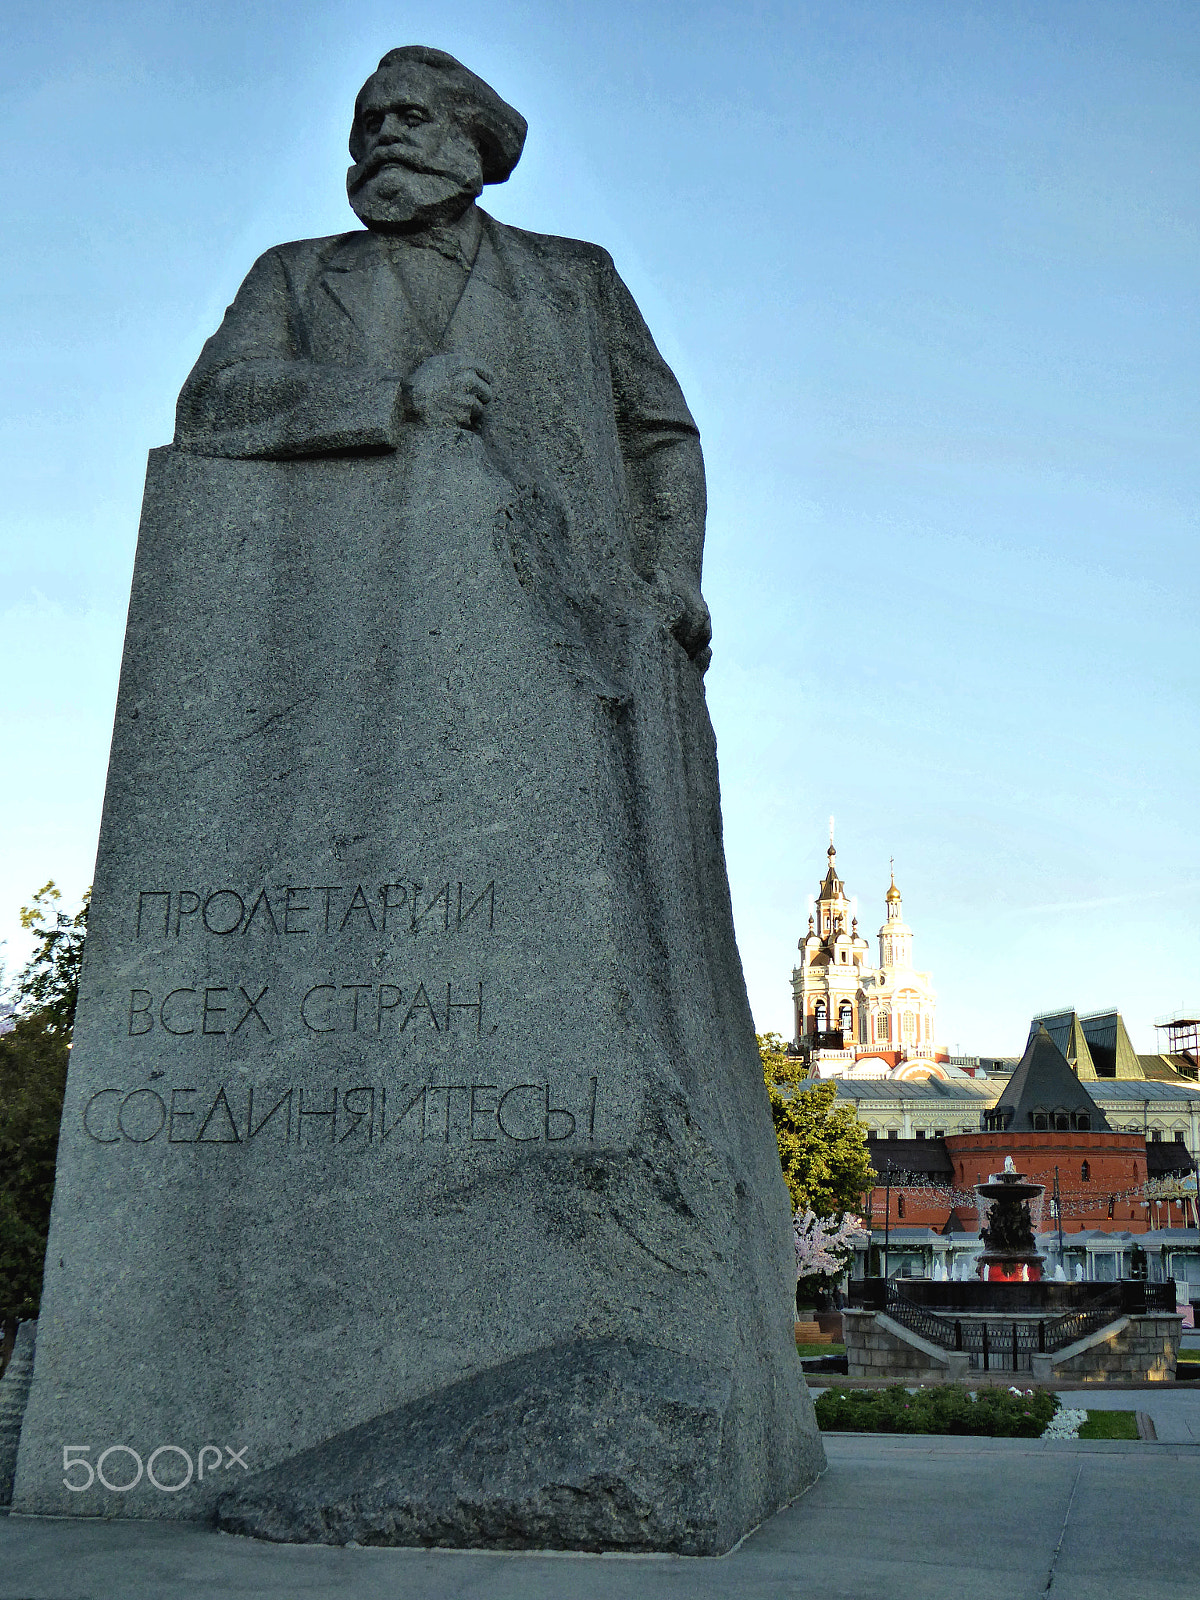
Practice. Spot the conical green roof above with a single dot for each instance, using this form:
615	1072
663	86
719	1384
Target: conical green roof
1043	1085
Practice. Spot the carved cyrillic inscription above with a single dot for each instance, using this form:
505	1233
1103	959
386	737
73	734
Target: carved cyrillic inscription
366	1114
214	1010
321	912
223	1011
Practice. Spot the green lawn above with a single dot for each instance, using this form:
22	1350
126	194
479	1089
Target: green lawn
1109	1425
807	1350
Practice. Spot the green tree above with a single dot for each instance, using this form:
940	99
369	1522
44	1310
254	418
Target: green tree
822	1145
33	1077
49	984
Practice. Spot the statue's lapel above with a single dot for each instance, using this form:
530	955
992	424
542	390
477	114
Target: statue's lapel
369	314
483	316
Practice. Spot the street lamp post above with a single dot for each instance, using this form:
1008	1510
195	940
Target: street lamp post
887	1218
1058	1218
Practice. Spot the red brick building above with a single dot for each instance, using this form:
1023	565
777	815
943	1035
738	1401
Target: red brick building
1055	1133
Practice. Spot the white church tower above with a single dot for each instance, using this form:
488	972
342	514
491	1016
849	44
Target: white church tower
851	1018
899	1003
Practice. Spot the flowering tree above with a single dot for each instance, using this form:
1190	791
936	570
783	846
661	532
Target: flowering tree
825	1245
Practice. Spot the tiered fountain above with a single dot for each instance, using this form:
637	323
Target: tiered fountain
1009	1254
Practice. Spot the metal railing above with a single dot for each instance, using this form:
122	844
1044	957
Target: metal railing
1160	1297
928	1324
1078	1324
1006	1344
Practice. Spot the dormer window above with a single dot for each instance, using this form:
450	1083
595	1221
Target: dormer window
1062	1121
1041	1122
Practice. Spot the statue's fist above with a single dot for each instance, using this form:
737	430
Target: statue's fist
687	617
693	626
449	389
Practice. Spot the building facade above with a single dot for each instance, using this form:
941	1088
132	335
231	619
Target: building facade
1119	1153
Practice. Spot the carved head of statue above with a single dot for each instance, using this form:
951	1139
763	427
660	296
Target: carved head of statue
427	135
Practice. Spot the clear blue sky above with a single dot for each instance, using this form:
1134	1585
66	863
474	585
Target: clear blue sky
928	273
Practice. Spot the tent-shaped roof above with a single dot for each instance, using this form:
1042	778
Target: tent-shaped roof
1111	1047
1043	1084
1067	1032
832	887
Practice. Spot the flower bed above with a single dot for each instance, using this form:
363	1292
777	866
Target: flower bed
1066	1424
946	1408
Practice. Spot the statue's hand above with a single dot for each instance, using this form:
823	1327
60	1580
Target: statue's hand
448	390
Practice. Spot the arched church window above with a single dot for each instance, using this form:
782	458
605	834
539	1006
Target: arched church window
846	1017
821	1014
883	1028
909	1025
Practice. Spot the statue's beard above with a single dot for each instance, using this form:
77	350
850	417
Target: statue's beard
390	193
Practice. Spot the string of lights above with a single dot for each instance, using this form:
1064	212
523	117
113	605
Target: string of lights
1073	1202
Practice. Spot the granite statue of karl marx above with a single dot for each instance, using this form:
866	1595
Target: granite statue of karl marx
416	623
438	316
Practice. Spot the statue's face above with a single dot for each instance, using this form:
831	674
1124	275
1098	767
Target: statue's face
419	165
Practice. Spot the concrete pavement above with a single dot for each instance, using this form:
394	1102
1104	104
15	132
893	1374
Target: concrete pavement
1175	1412
893	1518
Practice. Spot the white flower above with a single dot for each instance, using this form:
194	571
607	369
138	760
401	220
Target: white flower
1065	1424
823	1244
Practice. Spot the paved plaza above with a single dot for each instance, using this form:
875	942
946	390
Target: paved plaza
896	1518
